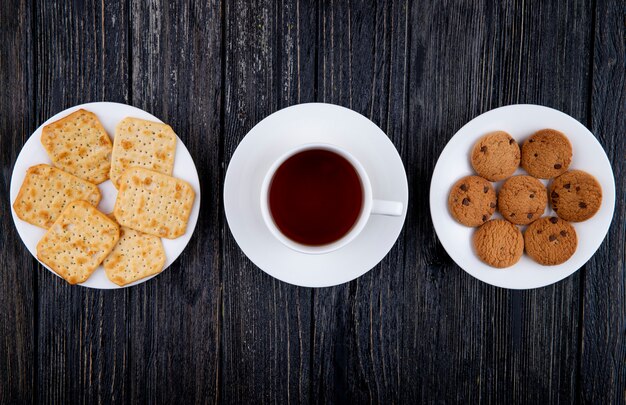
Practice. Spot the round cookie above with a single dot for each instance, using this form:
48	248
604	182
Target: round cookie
550	241
575	196
495	156
472	200
499	243
546	154
522	199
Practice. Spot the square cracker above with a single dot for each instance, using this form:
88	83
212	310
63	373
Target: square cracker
78	241
153	203
79	145
47	190
137	255
141	143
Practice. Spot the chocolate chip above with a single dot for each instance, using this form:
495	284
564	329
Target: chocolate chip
557	166
555	194
554	220
529	216
582	205
511	141
485	189
463	187
539	231
577	188
483	149
484	218
567	186
536	155
512	215
492	205
563	233
532	196
552	238
531	140
466	201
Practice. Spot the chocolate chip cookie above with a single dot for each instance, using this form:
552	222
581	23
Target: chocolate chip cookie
495	156
575	196
522	199
472	200
550	241
546	154
499	243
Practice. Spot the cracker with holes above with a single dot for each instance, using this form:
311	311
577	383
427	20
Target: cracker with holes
153	203
78	241
46	191
137	255
141	143
79	145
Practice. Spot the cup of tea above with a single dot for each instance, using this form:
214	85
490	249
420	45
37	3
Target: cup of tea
317	198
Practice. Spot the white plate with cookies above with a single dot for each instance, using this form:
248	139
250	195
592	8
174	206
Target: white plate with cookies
67	211
555	248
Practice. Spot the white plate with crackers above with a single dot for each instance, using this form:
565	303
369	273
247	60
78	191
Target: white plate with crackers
67	211
520	122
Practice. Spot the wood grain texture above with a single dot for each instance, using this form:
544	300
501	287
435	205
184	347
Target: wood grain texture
18	302
357	346
213	327
269	64
603	349
491	344
80	56
175	318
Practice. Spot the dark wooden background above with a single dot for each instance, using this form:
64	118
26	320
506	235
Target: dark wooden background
213	327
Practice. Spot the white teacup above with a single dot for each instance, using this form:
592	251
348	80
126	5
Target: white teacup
370	205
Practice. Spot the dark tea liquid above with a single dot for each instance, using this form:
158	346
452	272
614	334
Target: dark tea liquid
315	197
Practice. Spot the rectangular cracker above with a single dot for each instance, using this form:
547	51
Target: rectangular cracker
153	203
135	256
46	191
79	145
78	241
141	143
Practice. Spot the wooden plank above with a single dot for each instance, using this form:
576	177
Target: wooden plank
269	64
80	56
425	330
17	267
603	356
490	344
357	326
176	75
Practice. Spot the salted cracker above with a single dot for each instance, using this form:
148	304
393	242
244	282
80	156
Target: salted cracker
46	191
153	203
141	143
78	241
135	256
79	145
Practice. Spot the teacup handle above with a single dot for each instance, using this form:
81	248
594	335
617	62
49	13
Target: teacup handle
384	207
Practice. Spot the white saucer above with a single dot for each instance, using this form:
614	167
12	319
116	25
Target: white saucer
520	121
268	140
109	114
